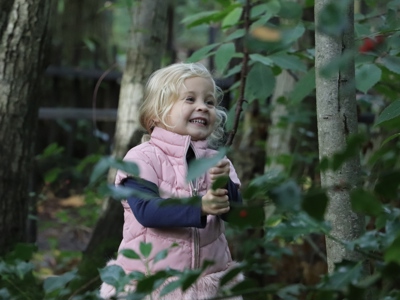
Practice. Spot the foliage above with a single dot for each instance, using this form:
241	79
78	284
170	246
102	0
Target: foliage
281	210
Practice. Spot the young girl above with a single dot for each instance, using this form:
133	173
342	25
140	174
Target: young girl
181	115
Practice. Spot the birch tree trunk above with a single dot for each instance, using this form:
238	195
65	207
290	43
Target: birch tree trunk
337	119
279	137
23	25
148	37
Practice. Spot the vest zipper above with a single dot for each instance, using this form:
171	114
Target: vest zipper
193	186
196	239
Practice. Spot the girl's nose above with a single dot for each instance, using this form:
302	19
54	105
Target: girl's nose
202	106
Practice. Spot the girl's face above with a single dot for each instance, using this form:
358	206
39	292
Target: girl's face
194	112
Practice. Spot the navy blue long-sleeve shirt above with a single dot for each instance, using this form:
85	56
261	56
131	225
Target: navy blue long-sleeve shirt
150	213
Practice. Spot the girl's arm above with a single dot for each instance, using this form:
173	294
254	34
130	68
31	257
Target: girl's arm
147	210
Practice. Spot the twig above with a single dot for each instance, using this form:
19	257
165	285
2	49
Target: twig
243	77
96	89
83	287
316	248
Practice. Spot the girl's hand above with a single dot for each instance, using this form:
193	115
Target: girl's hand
222	168
215	202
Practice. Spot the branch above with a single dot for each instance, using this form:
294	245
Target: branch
243	77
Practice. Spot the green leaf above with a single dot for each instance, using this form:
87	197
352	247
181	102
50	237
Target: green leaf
388	184
232	18
291	10
22	252
337	64
392	63
52	175
190	278
245	216
202	53
345	273
353	145
145	249
389	113
234	70
235	35
392	252
260	83
332	19
110	162
367	75
391	271
129	253
290	35
201	18
22	268
365	202
152	282
314	204
5	294
246	284
324	295
361	30
51	150
54	283
112	275
265	11
287	196
223	56
258	10
232	273
304	87
161	255
265	60
290	62
394	4
90	44
170	287
291	292
220	182
355	292
369	241
392	137
200	166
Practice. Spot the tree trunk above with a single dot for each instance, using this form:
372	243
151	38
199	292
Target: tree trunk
279	137
144	56
23	26
337	119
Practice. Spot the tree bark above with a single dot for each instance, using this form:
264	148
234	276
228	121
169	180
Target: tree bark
148	39
337	119
23	25
279	137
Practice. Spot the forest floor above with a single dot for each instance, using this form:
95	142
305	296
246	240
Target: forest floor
62	233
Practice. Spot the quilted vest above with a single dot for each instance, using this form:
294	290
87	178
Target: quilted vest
162	160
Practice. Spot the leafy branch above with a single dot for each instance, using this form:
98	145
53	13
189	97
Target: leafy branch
243	76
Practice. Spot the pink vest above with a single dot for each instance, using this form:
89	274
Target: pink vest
162	160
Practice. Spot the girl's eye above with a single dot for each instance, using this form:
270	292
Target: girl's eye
190	99
210	102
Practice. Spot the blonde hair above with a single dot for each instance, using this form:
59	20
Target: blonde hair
162	91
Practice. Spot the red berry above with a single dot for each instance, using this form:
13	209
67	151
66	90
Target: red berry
368	45
243	213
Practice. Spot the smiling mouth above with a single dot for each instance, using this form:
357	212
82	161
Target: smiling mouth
198	121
